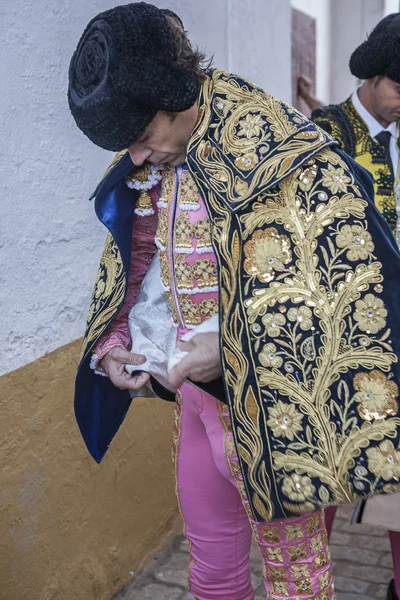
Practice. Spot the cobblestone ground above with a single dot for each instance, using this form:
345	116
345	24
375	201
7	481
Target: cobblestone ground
361	557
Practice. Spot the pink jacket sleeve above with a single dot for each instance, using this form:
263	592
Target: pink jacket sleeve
143	249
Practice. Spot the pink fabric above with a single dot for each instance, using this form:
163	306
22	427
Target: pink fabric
195	216
218	526
143	250
395	544
330	514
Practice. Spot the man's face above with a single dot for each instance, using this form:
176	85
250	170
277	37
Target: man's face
385	96
165	140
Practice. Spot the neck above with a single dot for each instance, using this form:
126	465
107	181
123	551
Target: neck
365	99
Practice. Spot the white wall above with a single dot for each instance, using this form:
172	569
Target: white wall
320	10
391	6
50	241
259	41
349	29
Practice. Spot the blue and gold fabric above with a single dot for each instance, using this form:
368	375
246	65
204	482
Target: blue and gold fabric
309	321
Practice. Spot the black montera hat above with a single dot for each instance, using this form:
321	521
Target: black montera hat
380	53
123	72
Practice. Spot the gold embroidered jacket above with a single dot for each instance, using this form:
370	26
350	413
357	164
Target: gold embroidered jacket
309	318
345	124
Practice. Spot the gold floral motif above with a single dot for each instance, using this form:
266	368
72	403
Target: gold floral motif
307	177
108	293
304	588
376	395
208	308
357	240
267	252
183	273
183	232
190	311
320	561
175	316
206	273
165	270
298	488
335	180
297	553
280	587
370	314
313	524
167	186
269	358
162	229
294	532
271	534
251	126
317	544
241	187
275	555
176	437
202	233
101	286
300	572
325	540
188	193
324	580
285	421
277	573
325	596
384	461
247	162
273	322
302	316
144	204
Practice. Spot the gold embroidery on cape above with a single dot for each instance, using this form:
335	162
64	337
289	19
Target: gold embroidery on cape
108	294
328	289
249	121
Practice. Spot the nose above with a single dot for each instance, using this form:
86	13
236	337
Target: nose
139	154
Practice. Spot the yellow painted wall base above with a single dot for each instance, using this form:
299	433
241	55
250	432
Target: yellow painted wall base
69	528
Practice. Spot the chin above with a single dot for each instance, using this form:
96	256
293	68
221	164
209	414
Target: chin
177	161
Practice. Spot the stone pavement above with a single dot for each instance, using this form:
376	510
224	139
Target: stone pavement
361	557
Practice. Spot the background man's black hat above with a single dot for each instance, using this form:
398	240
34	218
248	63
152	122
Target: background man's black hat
380	53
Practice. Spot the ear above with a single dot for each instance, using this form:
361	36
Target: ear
375	81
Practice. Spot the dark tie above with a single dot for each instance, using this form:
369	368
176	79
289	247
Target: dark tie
384	139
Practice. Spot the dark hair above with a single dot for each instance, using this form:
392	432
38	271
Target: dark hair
187	56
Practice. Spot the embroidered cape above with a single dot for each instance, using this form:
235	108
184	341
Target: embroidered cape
309	283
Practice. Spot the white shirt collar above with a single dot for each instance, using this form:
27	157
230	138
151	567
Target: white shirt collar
373	125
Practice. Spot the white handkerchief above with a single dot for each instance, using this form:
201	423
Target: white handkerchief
153	331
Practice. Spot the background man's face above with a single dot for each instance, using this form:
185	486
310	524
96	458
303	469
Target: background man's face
386	98
165	140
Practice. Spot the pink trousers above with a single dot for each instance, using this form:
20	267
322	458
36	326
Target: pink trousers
218	522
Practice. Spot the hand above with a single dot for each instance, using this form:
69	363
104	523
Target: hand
304	87
114	363
202	364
